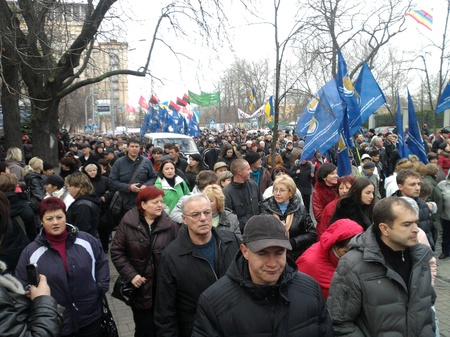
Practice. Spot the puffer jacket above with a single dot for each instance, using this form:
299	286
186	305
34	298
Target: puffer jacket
172	194
84	213
319	261
78	289
183	274
130	248
293	307
243	199
365	291
24	318
36	190
301	233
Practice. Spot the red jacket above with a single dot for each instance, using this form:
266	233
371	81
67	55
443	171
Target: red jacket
319	260
444	161
321	197
327	214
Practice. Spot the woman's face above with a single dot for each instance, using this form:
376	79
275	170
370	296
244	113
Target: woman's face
192	162
92	172
169	171
100	149
213	204
343	188
54	222
281	193
153	208
49	188
229	153
332	178
225	182
367	195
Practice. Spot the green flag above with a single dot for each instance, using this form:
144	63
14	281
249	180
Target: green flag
205	99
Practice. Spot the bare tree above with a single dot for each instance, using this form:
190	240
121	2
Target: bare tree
51	70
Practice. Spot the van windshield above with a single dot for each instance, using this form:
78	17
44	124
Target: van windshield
187	145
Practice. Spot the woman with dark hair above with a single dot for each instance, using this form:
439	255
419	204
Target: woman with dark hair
76	268
19	316
195	166
143	233
99	149
172	184
343	186
83	212
69	165
357	204
324	189
228	154
286	206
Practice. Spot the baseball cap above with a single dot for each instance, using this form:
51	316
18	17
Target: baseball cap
55	180
263	231
219	165
365	156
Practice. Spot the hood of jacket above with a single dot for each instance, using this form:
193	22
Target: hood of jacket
98	176
238	272
340	230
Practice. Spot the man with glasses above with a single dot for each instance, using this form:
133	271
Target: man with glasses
189	265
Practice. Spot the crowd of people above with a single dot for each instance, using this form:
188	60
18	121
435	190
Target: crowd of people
207	238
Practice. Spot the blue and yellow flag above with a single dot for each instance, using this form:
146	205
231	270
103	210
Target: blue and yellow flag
269	108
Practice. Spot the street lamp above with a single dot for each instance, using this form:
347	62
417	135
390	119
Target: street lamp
85	109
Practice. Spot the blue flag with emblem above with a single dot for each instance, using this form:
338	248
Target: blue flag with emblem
416	144
402	149
444	100
305	118
323	131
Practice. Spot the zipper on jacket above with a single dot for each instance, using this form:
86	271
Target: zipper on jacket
74	306
203	258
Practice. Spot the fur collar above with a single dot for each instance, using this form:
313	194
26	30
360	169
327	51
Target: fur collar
10	282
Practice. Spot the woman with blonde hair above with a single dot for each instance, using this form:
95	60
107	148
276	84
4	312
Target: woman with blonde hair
34	180
13	161
84	211
223	218
286	206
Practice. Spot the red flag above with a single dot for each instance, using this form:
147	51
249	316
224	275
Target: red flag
143	103
181	102
172	105
186	98
130	109
154	100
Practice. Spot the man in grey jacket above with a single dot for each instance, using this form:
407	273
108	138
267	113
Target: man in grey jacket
382	286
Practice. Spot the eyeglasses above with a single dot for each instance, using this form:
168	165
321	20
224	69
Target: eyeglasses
197	215
279	190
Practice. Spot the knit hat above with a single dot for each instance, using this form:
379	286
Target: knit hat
54	180
369	165
252	157
263	231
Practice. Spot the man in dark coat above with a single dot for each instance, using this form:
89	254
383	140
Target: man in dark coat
262	283
189	265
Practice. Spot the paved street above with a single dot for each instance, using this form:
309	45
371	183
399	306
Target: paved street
124	317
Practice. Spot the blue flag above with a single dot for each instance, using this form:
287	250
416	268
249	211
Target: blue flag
370	98
444	100
416	144
194	130
305	118
323	131
402	149
344	166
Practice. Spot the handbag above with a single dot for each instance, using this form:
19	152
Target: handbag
125	291
108	325
117	200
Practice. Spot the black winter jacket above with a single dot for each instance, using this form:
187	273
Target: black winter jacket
36	190
20	208
346	208
84	213
78	289
302	233
235	306
243	200
22	318
131	246
183	274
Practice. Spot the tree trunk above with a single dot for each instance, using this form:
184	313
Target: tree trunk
10	105
45	125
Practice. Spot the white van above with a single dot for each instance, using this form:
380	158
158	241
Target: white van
187	144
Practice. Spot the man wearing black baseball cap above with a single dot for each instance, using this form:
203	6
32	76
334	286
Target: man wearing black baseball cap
261	281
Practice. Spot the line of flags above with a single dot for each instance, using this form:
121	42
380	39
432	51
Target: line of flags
339	108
